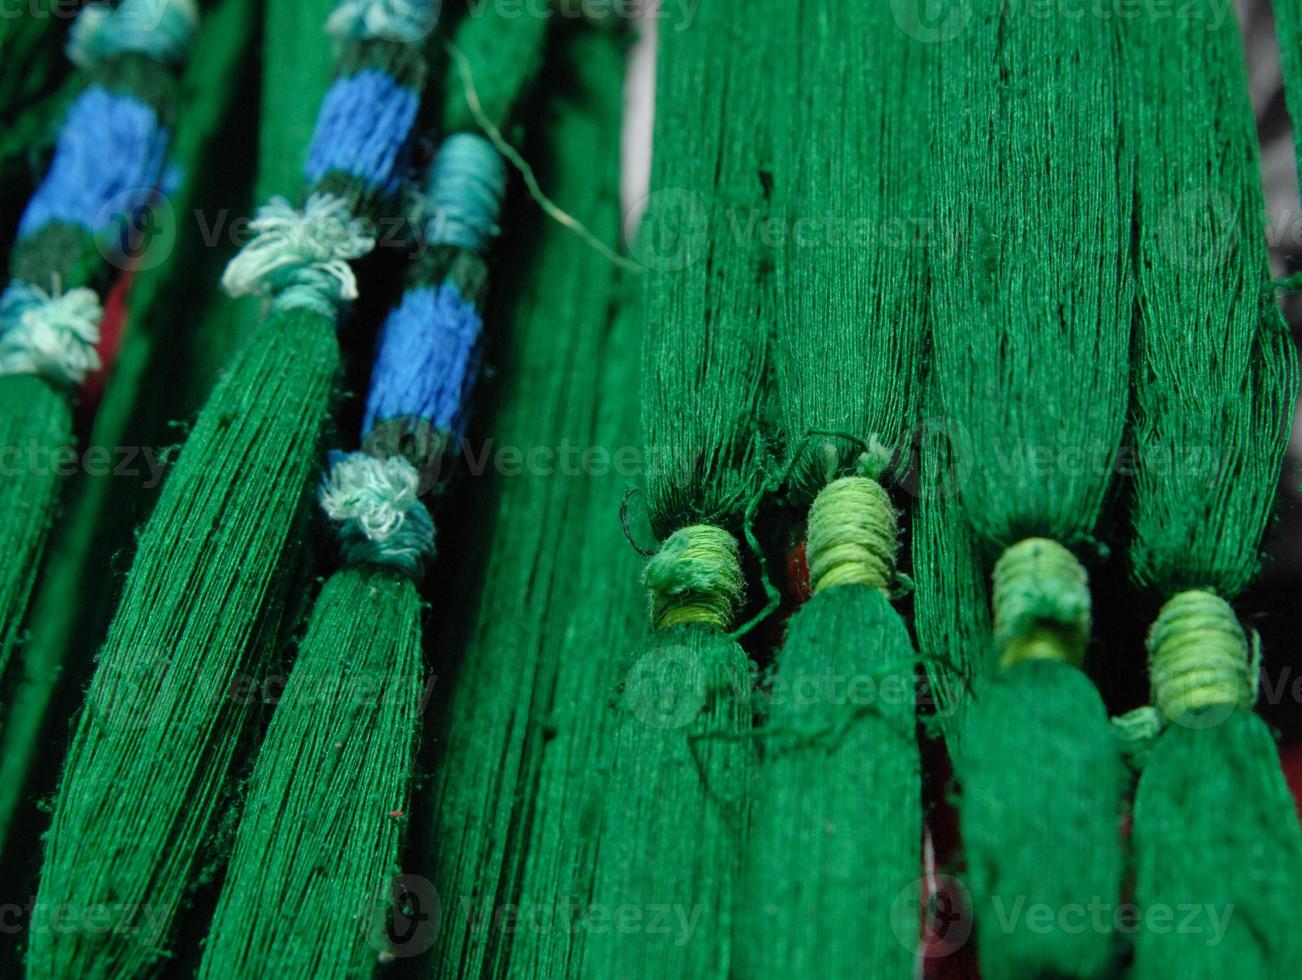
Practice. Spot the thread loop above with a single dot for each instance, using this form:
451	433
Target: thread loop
1041	604
852	535
300	257
466	184
695	577
159	29
1198	655
51	334
381	520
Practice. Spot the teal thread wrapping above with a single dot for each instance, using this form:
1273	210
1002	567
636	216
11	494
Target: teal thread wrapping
158	29
427	358
428	354
465	189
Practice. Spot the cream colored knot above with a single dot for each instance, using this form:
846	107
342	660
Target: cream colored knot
1041	604
1199	656
695	577
852	535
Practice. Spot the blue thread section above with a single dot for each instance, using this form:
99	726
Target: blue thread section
466	183
427	360
107	163
362	127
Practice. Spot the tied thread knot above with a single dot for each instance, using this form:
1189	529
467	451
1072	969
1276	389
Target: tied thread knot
51	334
159	29
301	257
695	577
467	182
1041	601
396	21
381	520
852	535
1198	656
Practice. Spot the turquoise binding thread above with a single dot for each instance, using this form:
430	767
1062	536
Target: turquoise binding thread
466	186
159	29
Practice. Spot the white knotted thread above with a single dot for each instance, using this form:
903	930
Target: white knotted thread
301	257
380	516
398	21
52	334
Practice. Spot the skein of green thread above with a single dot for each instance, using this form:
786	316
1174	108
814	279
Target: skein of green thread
72	603
835	844
155	739
836	813
1215	383
205	574
1215	377
35	412
1217	847
1032	291
522	746
324	841
674	812
1039	756
355	853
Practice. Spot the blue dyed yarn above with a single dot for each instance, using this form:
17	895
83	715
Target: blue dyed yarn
427	360
369	152
158	29
466	185
111	149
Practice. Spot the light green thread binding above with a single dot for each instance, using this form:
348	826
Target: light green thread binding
695	577
1041	604
852	535
1198	656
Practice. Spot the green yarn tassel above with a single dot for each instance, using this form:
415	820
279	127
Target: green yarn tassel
1018	789
522	747
152	746
850	131
836	819
1039	761
327	800
675	813
1218	849
35	429
674	824
502	49
73	601
1215	373
1032	302
1032	294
